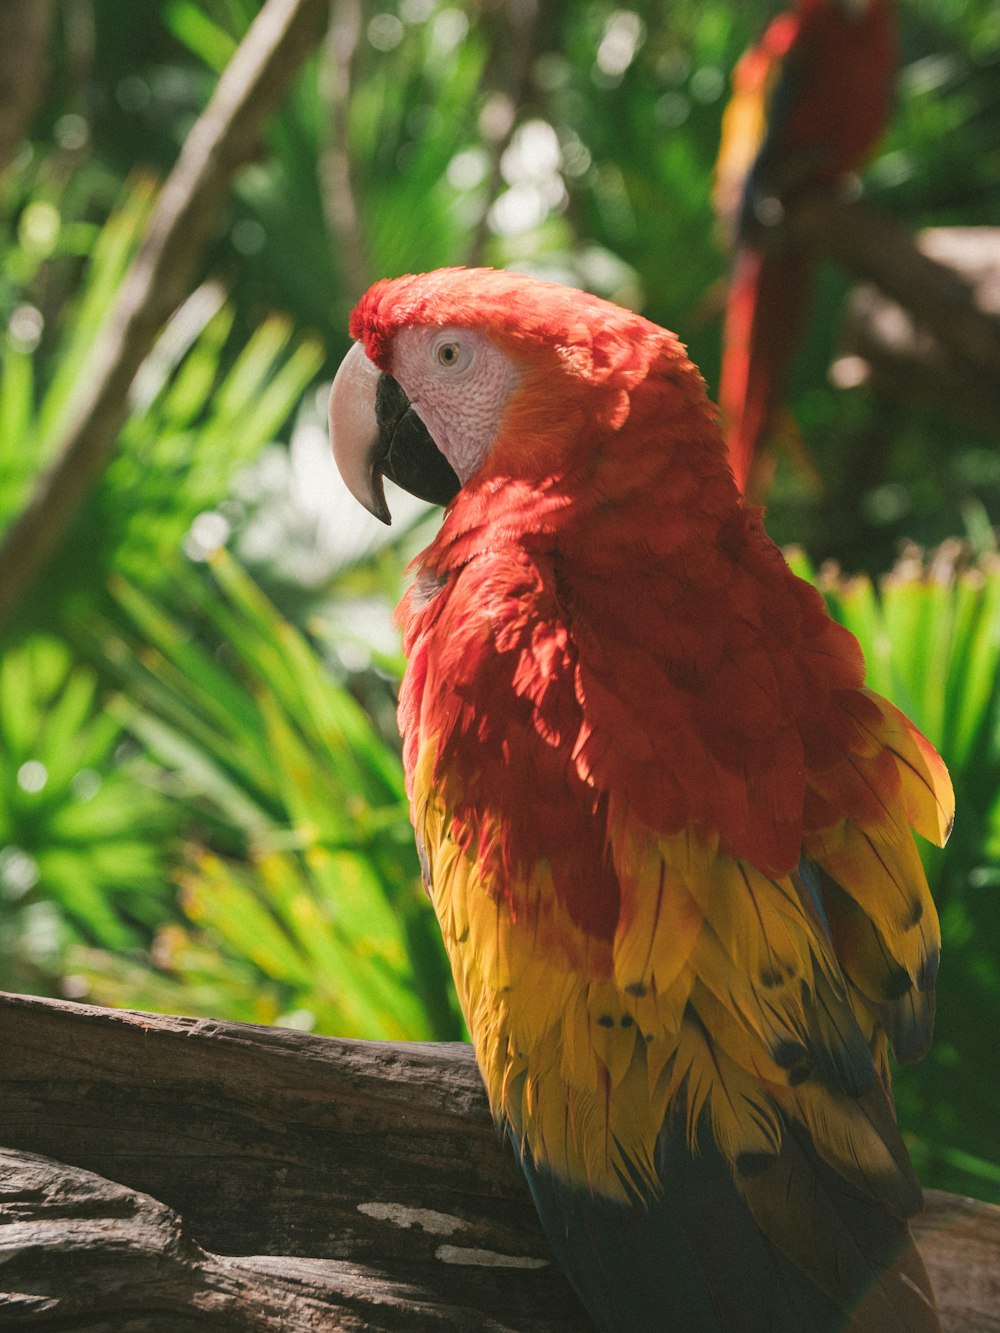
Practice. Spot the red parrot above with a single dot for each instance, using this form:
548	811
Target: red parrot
665	828
809	103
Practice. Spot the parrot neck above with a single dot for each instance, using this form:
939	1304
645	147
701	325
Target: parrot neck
611	514
610	471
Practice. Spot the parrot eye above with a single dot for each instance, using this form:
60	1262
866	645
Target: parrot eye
452	355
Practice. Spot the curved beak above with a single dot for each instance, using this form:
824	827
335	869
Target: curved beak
354	430
376	432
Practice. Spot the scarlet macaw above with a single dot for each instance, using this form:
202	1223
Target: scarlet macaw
809	103
665	828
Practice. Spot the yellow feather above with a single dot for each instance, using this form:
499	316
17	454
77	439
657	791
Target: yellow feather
858	1138
870	955
658	926
928	795
543	995
579	1060
585	1044
739	1042
742	1117
763	926
613	1030
882	872
560	1045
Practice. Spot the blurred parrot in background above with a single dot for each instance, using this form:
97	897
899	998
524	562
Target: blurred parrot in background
809	103
665	828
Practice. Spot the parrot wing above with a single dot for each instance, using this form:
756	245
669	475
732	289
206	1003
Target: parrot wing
683	1046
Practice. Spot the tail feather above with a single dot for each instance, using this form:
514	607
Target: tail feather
902	1003
857	1138
631	1265
784	1245
768	298
860	1255
840	1049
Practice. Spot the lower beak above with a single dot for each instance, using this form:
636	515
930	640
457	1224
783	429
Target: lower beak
376	432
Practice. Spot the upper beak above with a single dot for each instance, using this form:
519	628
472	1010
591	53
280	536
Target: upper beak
376	432
354	430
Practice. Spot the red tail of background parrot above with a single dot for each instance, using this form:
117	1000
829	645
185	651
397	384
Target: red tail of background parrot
809	103
665	828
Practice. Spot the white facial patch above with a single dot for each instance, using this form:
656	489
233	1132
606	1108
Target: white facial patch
459	383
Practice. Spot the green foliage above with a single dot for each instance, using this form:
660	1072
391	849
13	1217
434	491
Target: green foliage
930	631
317	909
404	121
83	840
198	409
931	638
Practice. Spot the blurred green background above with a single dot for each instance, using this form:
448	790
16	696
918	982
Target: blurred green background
201	800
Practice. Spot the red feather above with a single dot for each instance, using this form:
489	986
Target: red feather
809	103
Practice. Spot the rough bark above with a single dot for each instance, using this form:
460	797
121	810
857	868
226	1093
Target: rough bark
177	1173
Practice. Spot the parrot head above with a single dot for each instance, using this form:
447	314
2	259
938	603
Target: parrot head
461	378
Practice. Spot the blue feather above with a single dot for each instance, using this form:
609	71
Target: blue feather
692	1260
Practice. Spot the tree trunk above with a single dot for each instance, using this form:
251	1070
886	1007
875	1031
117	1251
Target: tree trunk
24	38
174	1173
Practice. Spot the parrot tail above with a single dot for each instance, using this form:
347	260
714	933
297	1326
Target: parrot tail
704	1256
768	299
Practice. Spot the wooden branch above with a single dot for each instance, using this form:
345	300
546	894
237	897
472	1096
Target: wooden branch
514	51
224	137
876	248
368	1175
76	1247
25	26
340	201
185	1171
883	342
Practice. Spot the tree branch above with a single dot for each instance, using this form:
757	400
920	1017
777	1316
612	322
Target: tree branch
883	342
225	136
186	1171
340	204
875	247
24	38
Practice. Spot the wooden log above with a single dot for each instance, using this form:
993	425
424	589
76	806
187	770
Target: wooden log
176	1173
80	1250
365	1178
